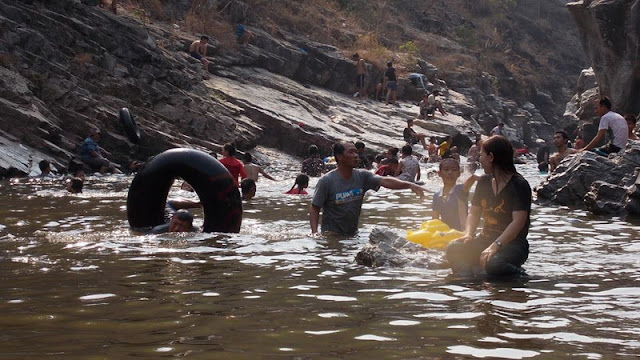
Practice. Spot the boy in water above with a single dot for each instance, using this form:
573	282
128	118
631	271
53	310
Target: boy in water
450	203
253	170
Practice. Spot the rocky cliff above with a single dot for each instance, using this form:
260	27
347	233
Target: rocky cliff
610	34
66	67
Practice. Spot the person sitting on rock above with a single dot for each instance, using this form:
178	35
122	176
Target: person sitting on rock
435	103
198	50
301	183
243	36
92	154
75	185
609	120
232	164
313	165
473	155
248	187
412	137
497	130
181	221
253	170
409	167
389	169
631	124
560	139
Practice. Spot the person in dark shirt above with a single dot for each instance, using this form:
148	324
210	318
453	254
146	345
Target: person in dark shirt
313	165
363	162
503	198
412	137
392	84
543	157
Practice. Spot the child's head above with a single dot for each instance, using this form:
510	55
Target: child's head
248	187
74	185
449	170
407	150
247	158
392	152
302	181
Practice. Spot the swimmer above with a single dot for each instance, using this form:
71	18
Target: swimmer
253	170
45	169
450	203
302	182
74	185
181	221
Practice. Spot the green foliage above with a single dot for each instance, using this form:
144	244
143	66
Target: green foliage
466	35
410	47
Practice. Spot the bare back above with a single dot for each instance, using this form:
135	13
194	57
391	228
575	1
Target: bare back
198	47
252	171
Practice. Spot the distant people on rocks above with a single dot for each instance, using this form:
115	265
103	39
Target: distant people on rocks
433	150
299	186
392	153
361	72
609	120
412	137
497	130
434	103
473	155
450	203
444	147
579	142
392	84
503	198
248	188
198	50
631	124
75	185
243	36
94	156
544	152
313	165
560	140
363	162
45	169
389	169
253	170
232	164
340	193
181	221
409	167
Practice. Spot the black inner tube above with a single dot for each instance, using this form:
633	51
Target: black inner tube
212	182
130	126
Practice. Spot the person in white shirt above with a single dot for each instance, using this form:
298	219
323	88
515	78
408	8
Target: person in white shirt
613	121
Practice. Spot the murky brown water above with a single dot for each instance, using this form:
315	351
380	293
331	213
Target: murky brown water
77	284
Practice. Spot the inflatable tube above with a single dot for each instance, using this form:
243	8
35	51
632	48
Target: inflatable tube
212	182
433	234
130	127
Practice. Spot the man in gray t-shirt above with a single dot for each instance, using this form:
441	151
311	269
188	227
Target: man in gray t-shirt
340	192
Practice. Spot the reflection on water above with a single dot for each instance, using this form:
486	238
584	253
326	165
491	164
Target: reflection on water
78	283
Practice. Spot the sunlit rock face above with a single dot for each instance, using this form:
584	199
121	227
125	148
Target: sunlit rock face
610	34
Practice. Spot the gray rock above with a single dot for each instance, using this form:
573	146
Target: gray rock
388	249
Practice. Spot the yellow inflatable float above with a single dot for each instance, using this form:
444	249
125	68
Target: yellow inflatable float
433	234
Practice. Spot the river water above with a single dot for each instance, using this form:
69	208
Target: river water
76	283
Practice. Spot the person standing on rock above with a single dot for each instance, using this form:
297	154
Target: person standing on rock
232	164
503	198
609	120
392	84
198	50
340	193
92	154
561	140
361	72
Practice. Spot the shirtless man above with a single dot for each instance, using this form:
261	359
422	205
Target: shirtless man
253	170
361	71
560	139
198	50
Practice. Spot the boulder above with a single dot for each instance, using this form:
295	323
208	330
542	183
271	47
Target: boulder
385	248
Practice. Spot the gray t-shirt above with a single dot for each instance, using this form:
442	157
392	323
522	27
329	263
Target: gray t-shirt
341	199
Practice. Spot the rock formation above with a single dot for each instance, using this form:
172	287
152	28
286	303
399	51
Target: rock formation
388	249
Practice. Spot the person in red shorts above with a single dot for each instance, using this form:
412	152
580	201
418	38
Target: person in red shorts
232	164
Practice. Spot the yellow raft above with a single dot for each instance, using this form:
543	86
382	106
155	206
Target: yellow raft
433	234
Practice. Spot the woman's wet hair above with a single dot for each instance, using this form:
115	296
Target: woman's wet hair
184	215
502	151
302	181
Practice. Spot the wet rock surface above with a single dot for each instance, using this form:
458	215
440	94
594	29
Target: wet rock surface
603	185
385	248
